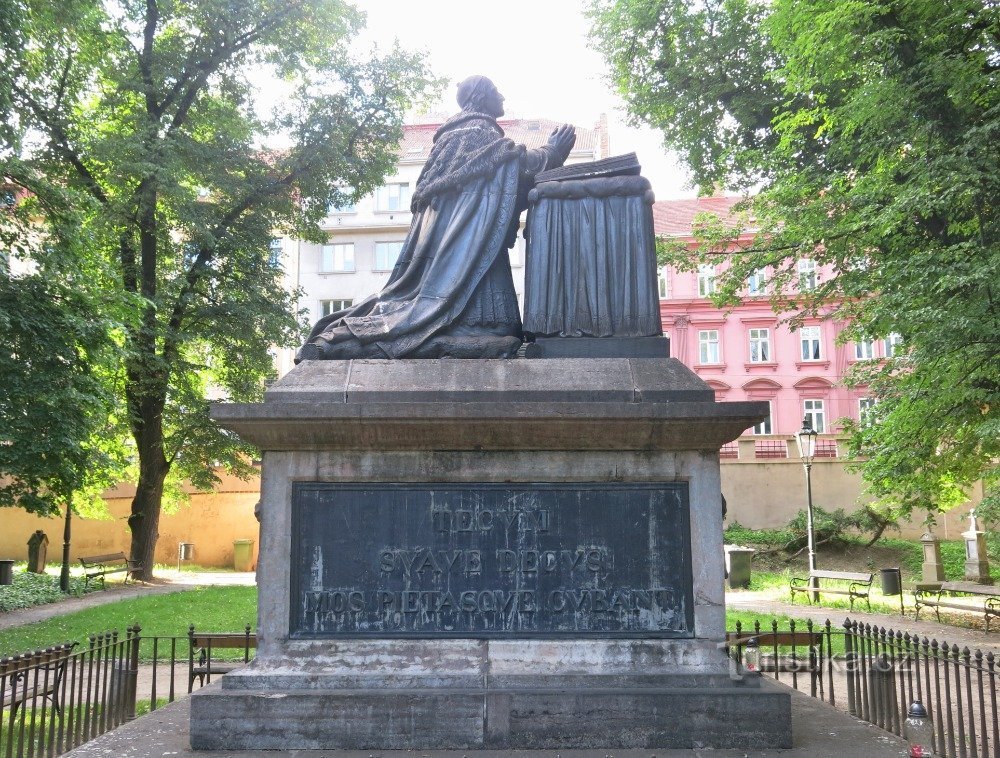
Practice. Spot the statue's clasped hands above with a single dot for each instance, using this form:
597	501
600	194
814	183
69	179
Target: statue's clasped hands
561	141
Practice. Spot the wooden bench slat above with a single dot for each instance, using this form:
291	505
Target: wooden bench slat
979	598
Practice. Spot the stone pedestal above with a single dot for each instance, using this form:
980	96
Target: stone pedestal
490	554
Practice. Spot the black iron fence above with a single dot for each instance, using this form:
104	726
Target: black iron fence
875	673
55	699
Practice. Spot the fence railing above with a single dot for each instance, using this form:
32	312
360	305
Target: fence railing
56	699
875	673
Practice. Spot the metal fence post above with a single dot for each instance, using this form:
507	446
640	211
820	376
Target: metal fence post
133	671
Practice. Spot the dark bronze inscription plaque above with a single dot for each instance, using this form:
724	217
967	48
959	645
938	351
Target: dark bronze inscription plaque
512	560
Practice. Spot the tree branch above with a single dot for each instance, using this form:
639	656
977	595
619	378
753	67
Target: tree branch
60	141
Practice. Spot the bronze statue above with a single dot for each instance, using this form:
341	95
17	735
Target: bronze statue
451	293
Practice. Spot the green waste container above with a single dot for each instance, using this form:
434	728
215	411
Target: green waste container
243	555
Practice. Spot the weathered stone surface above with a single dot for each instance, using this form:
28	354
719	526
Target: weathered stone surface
444	718
506	425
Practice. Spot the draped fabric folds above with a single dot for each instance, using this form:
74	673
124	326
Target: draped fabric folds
451	292
591	260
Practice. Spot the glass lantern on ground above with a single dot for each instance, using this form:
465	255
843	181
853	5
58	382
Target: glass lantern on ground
806	438
919	731
751	656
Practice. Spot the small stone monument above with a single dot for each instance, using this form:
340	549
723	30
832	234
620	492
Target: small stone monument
977	564
38	547
932	569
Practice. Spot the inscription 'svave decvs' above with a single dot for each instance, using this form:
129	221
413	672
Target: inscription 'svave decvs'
491	560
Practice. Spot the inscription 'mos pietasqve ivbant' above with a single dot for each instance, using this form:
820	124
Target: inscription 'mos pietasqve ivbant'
491	560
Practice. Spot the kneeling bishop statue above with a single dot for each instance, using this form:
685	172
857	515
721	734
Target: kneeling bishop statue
451	294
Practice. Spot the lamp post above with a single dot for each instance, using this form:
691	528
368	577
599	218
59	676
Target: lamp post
806	437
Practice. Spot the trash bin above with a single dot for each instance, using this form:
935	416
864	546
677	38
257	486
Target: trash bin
892	581
38	548
6	572
738	565
243	555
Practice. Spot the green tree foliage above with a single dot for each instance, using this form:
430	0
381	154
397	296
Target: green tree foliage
868	132
151	115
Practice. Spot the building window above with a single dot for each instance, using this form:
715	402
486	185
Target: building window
756	282
809	339
807	275
348	207
764	427
708	346
706	280
760	345
274	253
393	197
813	410
338	258
891	344
386	255
866	406
864	350
327	307
663	282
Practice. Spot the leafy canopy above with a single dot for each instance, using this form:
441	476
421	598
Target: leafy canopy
156	121
868	130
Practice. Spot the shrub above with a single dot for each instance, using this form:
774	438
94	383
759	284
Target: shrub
36	589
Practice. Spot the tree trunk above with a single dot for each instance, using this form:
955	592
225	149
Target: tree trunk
144	521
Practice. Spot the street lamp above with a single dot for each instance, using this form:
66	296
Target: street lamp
806	437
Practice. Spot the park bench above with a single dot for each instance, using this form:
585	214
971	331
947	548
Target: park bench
961	596
201	664
99	566
773	659
39	674
854	584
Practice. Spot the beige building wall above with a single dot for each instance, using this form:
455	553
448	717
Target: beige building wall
211	521
767	493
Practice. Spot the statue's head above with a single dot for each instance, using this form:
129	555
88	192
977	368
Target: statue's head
477	93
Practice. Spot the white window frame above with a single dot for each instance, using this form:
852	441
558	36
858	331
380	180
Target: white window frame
709	347
811	343
274	252
393	197
756	282
814	409
808	275
864	350
326	307
760	345
890	344
865	407
763	427
337	258
663	283
706	280
386	246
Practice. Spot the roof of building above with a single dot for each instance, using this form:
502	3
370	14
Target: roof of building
676	217
533	132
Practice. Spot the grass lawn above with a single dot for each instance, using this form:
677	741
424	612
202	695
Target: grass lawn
210	609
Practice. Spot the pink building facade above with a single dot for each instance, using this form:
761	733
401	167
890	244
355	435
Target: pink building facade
747	353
